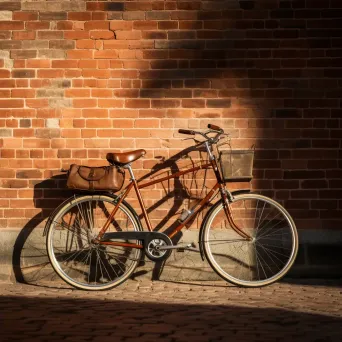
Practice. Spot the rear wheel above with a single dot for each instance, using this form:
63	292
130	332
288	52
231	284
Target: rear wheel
75	256
265	258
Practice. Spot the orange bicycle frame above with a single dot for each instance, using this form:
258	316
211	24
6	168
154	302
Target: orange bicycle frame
219	185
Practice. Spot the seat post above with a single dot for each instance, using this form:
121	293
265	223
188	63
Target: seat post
137	191
128	166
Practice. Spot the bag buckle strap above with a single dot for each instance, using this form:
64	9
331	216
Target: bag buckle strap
91	175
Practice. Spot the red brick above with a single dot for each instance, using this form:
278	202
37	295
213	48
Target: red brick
137	103
109	133
64	64
95	113
37	103
77	92
101	93
5	93
25	16
23	93
24	35
38	25
12	25
80	54
145	25
121	25
193	103
146	123
50	73
76	35
85	44
106	54
11	103
102	34
82	16
90	73
84	103
38	63
87	64
96	25
111	103
5	73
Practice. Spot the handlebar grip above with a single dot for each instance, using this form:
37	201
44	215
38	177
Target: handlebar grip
214	127
186	131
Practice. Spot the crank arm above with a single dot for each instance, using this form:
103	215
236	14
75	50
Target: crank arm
184	248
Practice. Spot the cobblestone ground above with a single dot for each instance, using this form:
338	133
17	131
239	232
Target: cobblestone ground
147	311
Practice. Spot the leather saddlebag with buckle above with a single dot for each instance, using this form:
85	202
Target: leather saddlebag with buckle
95	178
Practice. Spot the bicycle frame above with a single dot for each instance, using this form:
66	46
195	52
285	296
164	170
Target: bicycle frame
220	185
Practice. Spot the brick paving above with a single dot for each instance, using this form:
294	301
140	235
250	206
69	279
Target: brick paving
150	310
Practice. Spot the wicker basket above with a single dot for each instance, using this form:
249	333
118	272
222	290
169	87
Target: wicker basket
237	165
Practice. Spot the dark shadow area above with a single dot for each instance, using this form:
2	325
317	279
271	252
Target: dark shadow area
29	259
314	281
269	73
46	319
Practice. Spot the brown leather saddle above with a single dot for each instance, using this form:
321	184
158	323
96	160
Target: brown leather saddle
121	159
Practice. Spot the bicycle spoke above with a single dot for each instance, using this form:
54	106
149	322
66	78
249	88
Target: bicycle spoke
116	260
273	251
270	256
77	258
261	216
260	264
128	258
261	260
282	247
99	260
272	232
255	250
67	227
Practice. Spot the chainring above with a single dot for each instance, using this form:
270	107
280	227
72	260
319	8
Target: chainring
153	251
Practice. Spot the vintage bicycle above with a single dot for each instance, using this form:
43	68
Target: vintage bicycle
95	240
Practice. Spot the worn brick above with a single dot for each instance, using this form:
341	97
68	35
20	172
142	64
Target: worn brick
10	44
27	73
62	44
51	54
10	6
52	15
23	54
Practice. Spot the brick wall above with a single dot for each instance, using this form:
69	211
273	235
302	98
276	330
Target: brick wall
79	79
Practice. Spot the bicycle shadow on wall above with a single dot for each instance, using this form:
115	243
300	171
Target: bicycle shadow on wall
29	259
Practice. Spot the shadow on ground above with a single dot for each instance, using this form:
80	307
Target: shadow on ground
46	319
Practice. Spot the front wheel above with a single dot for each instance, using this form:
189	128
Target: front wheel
71	248
261	260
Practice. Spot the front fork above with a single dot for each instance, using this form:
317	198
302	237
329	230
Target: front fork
225	194
227	198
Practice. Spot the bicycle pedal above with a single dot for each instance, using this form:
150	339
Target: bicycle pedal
188	247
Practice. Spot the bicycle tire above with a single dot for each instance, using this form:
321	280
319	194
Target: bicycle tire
73	256
243	262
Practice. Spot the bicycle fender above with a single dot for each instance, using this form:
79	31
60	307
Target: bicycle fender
200	235
109	194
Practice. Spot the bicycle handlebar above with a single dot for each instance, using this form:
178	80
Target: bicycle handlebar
215	128
186	131
212	129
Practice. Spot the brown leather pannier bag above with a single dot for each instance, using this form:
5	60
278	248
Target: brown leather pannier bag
95	178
